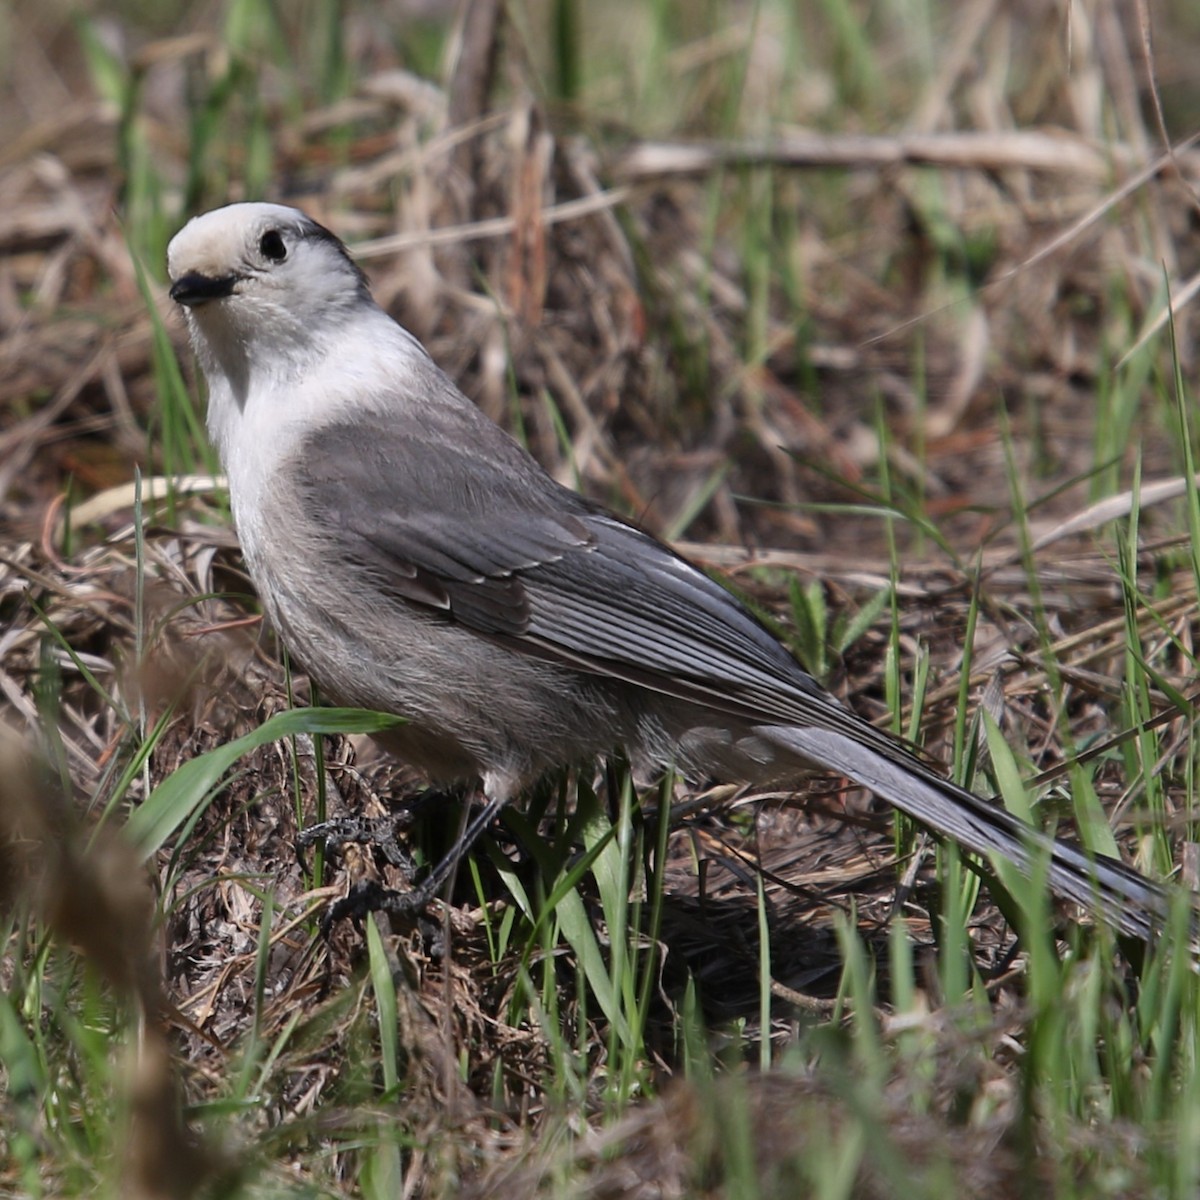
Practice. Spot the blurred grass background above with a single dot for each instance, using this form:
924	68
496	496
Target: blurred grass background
886	307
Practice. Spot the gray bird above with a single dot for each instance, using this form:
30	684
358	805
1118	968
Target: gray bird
418	561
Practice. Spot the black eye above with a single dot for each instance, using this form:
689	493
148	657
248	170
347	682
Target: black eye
272	246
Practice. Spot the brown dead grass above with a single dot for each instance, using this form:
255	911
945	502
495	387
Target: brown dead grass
604	312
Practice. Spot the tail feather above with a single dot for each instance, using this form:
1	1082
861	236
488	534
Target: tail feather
1128	901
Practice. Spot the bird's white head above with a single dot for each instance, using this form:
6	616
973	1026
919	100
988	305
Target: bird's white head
281	319
258	282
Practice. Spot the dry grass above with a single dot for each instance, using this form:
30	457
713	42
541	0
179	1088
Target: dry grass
602	296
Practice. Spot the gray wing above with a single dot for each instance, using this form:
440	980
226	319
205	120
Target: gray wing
493	543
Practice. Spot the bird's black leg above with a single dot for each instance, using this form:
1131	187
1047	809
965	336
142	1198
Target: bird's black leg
370	896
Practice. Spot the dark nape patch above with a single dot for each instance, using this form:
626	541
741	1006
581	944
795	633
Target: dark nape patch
315	231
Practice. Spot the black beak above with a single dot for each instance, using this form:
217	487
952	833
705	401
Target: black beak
193	288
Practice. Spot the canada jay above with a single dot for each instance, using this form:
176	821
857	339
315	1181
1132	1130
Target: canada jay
416	560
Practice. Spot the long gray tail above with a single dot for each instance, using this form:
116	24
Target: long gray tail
1128	901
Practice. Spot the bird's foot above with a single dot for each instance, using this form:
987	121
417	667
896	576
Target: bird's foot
356	831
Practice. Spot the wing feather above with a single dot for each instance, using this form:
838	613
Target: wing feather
527	560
